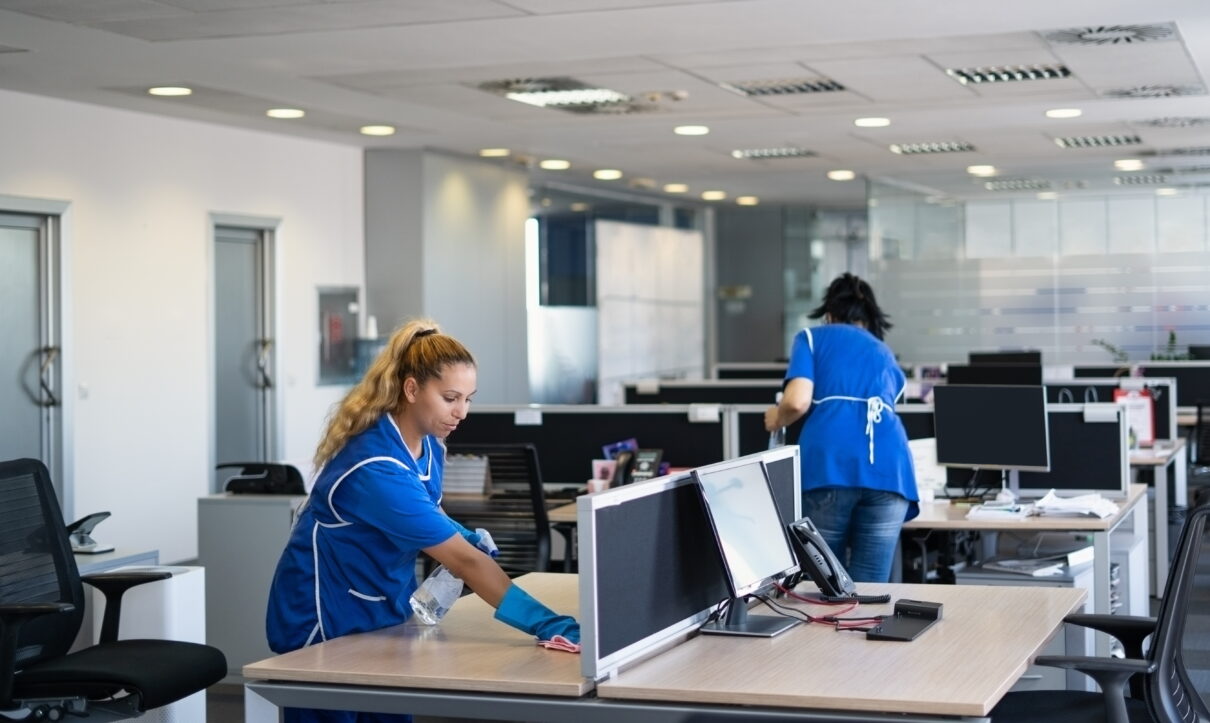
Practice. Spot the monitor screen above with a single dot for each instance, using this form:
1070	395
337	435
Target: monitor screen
991	427
1005	357
1192	380
746	523
1085	456
1029	375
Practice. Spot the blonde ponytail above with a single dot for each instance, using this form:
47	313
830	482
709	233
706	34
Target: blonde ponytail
418	350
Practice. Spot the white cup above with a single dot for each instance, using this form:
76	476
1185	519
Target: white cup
927	496
597	485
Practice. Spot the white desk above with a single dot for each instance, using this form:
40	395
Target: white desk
940	516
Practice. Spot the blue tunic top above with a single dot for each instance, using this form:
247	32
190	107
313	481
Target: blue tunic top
852	436
350	563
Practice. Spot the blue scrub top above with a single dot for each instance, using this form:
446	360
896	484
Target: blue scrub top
350	562
857	382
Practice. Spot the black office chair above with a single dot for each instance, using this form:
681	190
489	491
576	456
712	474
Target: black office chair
1199	459
516	515
264	478
41	608
1169	682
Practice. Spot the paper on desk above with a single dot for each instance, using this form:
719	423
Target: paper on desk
1093	505
929	475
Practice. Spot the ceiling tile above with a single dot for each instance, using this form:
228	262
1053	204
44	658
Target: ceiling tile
86	12
1105	67
882	80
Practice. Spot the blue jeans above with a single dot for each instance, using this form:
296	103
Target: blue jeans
860	525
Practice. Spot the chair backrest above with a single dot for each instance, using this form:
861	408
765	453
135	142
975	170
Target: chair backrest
1181	643
521	529
36	563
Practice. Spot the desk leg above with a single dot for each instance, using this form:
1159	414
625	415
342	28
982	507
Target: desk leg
568	532
1180	471
1159	527
258	709
1100	585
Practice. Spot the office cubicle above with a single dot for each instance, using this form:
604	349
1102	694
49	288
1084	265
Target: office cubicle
1091	390
1192	377
569	437
750	435
703	391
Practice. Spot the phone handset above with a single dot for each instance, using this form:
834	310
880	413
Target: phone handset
623	468
818	561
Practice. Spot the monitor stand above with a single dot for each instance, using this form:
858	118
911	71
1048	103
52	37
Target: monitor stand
737	621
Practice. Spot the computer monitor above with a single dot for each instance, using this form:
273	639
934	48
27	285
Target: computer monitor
1199	351
752	541
1005	357
1089	452
1029	375
992	427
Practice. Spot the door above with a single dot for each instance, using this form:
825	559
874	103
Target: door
243	348
29	372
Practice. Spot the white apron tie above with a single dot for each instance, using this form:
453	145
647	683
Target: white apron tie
873	413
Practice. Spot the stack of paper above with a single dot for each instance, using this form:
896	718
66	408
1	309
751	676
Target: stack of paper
1033	568
994	511
1092	505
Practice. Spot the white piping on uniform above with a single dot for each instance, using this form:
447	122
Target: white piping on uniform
319	618
370	598
311	637
810	339
341	478
873	413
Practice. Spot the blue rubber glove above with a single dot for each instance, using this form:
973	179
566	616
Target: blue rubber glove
520	610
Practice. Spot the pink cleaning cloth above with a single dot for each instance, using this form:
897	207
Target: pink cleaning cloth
559	642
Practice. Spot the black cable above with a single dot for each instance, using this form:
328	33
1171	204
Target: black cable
784	611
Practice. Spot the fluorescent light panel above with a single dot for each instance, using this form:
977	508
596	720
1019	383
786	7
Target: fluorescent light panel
1007	73
1097	141
784	86
784	152
931	147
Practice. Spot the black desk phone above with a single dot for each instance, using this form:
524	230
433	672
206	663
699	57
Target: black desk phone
636	466
818	562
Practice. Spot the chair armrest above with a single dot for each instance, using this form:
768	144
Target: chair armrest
1132	630
1110	673
114	585
12	617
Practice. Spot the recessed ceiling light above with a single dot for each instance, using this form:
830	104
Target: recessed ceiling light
554	164
981	170
1166	191
781	152
1128	164
494	152
1047	196
872	122
691	130
378	130
1064	113
640	182
170	90
675	188
747	200
285	113
841	175
579	206
607	174
713	195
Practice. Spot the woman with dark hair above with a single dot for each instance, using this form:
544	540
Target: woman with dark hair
858	483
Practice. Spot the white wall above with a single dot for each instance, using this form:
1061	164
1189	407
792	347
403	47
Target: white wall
463	222
141	188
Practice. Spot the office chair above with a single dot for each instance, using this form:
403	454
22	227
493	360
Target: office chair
1168	682
265	478
516	516
42	606
1199	463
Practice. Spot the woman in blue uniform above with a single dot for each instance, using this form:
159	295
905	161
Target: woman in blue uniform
349	564
859	486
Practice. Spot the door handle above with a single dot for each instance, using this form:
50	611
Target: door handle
47	398
262	363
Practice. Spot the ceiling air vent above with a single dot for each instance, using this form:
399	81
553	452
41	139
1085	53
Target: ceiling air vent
1155	91
1174	122
1017	184
1184	170
567	94
766	153
1141	179
783	86
1007	73
1097	141
908	149
1112	34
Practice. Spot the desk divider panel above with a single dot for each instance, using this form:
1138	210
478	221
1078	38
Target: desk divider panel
751	436
1085	456
704	391
569	437
1192	377
650	572
1092	390
750	370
